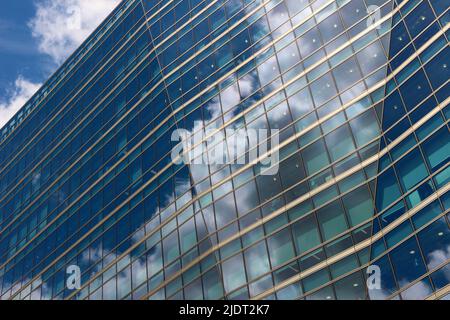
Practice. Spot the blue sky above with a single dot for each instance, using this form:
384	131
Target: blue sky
19	54
36	36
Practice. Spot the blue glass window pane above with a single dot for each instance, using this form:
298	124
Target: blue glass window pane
392	214
407	262
316	280
233	273
315	157
280	248
438	70
387	190
393	110
426	214
340	143
359	205
435	122
388	284
365	128
418	19
418	291
257	260
437	149
399	39
306	234
435	241
440	277
398	234
411	170
351	287
415	90
332	220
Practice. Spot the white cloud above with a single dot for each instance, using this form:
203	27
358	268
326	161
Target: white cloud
18	96
439	257
62	25
419	291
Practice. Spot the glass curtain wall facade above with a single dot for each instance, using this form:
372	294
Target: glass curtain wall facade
359	91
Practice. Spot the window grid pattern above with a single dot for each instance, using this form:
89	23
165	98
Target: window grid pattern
141	227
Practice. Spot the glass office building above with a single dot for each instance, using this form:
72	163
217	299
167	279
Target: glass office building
357	209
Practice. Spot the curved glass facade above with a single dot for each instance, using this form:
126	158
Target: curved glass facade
357	208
